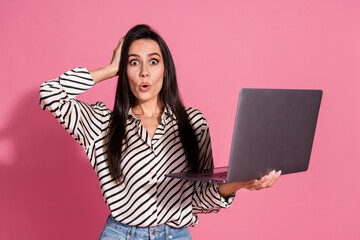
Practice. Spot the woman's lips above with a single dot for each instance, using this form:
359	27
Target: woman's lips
145	86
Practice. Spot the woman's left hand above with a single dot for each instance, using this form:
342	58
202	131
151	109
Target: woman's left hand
226	189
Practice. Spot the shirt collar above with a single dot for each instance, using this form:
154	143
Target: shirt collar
131	114
167	115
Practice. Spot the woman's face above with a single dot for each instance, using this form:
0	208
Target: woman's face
145	70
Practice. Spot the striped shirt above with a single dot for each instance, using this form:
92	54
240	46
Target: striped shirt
145	198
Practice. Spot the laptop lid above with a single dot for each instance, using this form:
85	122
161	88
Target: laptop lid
274	129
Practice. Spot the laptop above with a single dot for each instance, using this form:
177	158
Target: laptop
274	130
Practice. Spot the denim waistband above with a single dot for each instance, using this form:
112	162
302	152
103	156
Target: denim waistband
134	232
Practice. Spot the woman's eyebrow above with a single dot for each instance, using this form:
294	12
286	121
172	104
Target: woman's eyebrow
152	54
137	55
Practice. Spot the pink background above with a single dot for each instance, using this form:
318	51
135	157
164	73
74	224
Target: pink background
48	188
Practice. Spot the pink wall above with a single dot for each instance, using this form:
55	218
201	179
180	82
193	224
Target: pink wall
48	189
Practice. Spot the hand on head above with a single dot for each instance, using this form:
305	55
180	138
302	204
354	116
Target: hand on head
115	61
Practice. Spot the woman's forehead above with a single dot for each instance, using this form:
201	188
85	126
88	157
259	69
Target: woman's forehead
144	47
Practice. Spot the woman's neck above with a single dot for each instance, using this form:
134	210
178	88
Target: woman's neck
149	108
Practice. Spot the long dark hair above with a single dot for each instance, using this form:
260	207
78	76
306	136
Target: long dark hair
125	99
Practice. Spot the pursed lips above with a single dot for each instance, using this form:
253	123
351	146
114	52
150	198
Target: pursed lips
144	86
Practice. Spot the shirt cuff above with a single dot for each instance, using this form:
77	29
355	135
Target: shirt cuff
222	201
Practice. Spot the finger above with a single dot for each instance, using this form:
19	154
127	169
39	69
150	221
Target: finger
264	181
119	46
120	42
275	178
267	183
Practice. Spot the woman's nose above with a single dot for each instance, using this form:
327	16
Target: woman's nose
144	71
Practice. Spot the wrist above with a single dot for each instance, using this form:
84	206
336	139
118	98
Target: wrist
112	70
225	191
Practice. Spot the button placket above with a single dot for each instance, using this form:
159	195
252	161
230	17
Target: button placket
152	173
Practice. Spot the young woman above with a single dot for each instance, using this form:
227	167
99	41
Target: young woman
148	134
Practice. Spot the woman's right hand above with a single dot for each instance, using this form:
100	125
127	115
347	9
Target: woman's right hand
110	70
115	61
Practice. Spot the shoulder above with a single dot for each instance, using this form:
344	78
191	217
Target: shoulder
194	113
196	118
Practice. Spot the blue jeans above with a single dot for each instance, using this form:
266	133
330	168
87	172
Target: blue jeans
116	230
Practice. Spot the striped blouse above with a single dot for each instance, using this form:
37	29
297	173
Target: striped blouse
145	198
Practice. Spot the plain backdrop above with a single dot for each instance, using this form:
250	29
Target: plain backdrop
48	189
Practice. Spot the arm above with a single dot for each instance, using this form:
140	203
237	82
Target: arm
211	197
206	197
81	120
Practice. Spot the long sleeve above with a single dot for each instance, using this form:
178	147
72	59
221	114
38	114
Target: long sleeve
83	121
206	197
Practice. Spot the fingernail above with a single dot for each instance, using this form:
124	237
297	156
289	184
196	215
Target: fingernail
272	173
267	177
279	173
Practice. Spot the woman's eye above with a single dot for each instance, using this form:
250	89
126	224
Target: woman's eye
134	62
154	61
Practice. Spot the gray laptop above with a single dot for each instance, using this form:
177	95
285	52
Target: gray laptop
274	129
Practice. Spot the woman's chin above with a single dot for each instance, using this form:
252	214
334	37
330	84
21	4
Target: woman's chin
147	98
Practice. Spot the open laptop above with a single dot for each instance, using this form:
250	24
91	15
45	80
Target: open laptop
274	130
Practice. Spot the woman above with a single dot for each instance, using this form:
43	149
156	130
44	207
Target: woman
148	134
